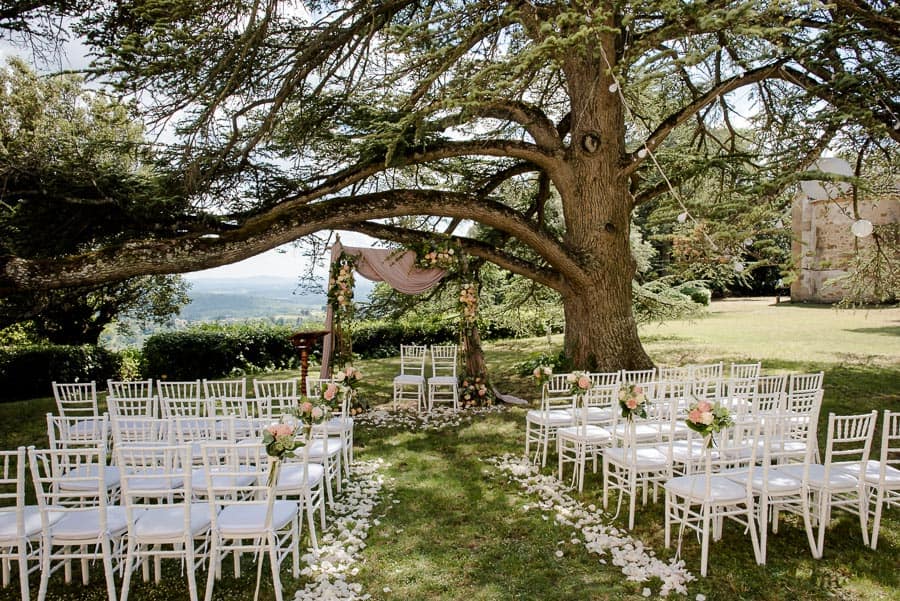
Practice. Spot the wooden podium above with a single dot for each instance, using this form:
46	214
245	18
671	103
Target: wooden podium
304	343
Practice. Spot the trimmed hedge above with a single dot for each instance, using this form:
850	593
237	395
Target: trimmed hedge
214	351
26	372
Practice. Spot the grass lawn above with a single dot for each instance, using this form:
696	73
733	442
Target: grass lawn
454	528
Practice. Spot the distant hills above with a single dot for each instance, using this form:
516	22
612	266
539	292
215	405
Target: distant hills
258	297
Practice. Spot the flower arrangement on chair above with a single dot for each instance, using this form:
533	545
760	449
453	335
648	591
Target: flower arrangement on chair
707	418
579	382
542	374
280	439
632	401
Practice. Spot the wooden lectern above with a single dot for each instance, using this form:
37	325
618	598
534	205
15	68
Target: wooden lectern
304	343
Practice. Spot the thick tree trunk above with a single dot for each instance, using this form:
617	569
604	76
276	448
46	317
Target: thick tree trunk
601	333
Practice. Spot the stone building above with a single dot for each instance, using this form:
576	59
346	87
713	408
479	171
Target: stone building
824	244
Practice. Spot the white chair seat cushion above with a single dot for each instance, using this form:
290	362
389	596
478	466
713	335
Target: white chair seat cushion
409	379
837	479
644	457
290	475
789	446
321	447
721	489
555	417
594	414
167	521
85	523
642	432
584	433
87	427
442	380
778	481
153	483
32	522
69	481
236	521
222	482
338	425
872	472
687	450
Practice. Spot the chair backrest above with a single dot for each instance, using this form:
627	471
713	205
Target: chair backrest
85	479
890	442
735	451
237	475
315	386
181	399
225	389
704	371
73	432
412	359
557	392
77	399
443	360
674	373
280	395
131	398
805	382
745	370
770	393
605	378
706	388
202	429
604	398
130	389
849	437
679	390
154	473
12	493
637	376
139	430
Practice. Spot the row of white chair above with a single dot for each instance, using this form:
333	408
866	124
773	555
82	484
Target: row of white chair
750	477
757	394
169	508
167	398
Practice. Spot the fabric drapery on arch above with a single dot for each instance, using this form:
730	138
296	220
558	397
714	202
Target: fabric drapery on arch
397	268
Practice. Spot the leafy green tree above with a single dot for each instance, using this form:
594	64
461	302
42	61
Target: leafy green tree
389	115
75	173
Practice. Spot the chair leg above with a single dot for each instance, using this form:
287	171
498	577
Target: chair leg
191	576
273	560
863	510
704	545
108	568
213	563
876	523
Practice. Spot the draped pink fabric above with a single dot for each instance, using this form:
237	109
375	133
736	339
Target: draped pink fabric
397	268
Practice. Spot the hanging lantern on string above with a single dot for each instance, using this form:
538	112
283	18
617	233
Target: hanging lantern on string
862	228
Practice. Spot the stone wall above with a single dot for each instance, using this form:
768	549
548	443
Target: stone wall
823	243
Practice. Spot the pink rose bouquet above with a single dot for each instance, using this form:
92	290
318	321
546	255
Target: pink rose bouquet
542	374
707	418
579	382
632	401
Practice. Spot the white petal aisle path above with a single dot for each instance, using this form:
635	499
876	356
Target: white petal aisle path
637	563
341	545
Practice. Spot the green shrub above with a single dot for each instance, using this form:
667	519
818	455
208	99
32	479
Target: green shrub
214	351
26	372
698	294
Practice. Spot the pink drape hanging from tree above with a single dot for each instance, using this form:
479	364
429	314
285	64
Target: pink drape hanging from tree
397	268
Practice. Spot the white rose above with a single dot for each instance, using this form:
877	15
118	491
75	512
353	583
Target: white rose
706	418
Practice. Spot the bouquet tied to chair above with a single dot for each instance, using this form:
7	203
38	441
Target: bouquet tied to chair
293	431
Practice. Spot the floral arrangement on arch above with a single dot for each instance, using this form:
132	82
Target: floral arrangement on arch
542	374
632	401
474	392
468	302
340	293
440	256
579	382
707	418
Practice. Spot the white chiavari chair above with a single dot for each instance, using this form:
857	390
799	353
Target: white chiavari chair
77	522
409	385
555	412
442	385
20	523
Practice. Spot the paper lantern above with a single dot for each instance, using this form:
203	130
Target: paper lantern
862	228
